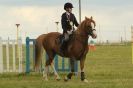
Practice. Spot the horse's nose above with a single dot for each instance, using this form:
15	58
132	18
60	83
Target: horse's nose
94	34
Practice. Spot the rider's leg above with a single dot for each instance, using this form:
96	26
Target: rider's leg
66	37
64	40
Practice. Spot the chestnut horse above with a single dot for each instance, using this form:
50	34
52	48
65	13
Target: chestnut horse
77	48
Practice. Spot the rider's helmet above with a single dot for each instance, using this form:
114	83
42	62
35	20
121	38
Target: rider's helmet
68	5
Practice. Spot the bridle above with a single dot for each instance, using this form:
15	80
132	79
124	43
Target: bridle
90	32
90	29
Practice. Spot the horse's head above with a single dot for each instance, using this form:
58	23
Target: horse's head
90	27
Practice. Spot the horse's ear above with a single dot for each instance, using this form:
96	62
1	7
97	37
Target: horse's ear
91	18
86	18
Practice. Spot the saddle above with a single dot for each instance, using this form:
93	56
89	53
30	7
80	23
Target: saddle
63	44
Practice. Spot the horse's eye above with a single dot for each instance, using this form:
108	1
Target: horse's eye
89	27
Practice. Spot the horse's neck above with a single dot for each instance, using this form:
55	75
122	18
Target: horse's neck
82	29
81	34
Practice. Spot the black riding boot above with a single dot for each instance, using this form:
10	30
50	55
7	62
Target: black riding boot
64	41
62	48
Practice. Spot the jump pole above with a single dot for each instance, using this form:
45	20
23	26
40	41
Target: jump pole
13	56
27	55
28	40
17	36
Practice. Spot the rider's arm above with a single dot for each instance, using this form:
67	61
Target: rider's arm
63	23
75	22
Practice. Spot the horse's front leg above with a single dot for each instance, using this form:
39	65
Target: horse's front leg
69	76
82	61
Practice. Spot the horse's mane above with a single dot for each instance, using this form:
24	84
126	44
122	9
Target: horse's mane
81	26
84	23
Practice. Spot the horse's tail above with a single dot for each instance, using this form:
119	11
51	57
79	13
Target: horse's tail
38	51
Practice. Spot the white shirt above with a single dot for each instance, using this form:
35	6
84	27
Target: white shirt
68	13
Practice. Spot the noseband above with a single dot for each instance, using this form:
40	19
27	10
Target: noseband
90	32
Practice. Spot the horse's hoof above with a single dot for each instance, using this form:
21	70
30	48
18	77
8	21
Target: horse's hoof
66	79
85	80
45	79
57	78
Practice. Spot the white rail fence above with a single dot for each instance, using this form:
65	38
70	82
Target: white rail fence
11	56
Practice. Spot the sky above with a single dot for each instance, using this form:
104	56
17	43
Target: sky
113	17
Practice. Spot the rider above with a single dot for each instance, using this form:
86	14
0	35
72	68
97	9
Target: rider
68	20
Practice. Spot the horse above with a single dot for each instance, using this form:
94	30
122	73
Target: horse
77	48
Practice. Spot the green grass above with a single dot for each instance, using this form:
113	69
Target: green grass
107	67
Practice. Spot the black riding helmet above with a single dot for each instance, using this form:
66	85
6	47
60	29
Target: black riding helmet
68	5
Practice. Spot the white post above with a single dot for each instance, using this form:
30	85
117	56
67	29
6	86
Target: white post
20	55
79	11
7	55
57	26
1	56
14	62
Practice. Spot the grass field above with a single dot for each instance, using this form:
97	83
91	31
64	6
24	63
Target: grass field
107	67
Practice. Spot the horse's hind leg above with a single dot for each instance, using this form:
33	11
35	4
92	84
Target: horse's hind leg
55	72
49	61
45	73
